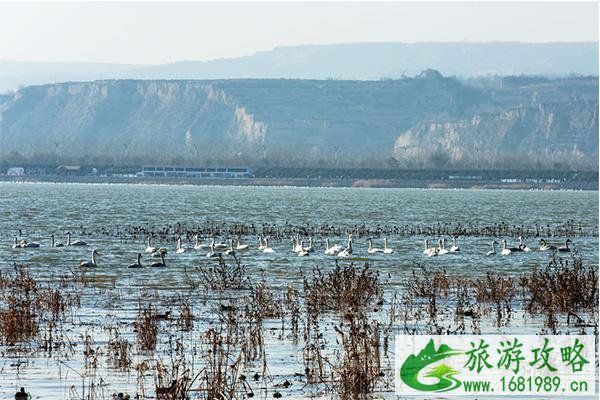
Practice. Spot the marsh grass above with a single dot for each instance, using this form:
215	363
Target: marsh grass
147	325
563	287
344	288
339	319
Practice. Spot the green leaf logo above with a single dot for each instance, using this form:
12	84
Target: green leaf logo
413	365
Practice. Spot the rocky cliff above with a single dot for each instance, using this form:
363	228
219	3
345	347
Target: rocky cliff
289	120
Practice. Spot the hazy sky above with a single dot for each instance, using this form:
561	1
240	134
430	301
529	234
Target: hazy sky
165	32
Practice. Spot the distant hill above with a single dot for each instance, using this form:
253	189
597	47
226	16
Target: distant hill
425	120
354	61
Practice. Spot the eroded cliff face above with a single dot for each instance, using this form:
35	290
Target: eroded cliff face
140	118
555	130
154	121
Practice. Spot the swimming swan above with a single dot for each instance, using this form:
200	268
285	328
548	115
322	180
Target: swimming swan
523	246
371	249
442	249
138	264
150	248
241	246
310	247
303	252
330	251
454	248
180	246
219	246
298	245
567	248
90	264
17	244
348	250
31	244
54	244
386	249
75	243
506	251
198	245
267	249
430	251
158	251
261	243
545	246
230	249
211	252
162	262
493	250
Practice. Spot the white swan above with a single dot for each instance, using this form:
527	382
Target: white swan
522	245
138	264
75	243
493	250
505	251
329	251
430	251
348	250
297	246
303	252
90	264
267	249
454	248
386	249
545	246
180	246
240	246
442	249
162	262
149	247
310	247
371	249
261	243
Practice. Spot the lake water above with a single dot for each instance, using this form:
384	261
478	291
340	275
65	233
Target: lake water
105	215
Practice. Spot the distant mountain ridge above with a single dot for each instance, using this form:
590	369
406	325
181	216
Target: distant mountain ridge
349	61
410	122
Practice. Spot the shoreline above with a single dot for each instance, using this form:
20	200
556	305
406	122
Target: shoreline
298	182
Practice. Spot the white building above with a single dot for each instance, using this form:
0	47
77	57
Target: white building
16	171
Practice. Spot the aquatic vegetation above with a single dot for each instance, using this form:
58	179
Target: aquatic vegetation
119	351
26	308
563	287
214	336
343	288
497	290
222	276
146	326
359	368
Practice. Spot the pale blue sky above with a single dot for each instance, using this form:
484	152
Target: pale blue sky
148	33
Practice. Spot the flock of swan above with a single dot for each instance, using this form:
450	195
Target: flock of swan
505	251
298	247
